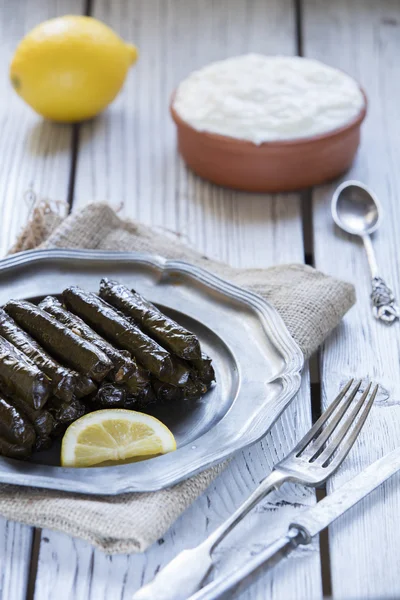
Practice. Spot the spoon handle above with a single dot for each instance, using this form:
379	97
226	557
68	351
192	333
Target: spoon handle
384	307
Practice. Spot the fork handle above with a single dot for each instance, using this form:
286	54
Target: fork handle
186	572
268	558
272	482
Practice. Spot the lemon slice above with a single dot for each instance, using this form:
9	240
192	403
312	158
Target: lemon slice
114	435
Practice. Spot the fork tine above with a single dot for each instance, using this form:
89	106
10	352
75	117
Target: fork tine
333	446
321	440
323	418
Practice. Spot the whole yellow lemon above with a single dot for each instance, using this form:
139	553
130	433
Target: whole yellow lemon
70	68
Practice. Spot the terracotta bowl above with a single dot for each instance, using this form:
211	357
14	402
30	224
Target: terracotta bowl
272	166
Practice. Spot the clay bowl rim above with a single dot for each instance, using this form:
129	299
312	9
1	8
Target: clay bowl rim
225	140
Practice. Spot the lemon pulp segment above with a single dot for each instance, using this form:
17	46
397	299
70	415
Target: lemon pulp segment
114	435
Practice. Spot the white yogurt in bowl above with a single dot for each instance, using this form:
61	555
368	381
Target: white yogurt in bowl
268	98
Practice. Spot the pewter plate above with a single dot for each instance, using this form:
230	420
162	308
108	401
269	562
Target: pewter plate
257	364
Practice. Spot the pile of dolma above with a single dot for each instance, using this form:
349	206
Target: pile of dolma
64	358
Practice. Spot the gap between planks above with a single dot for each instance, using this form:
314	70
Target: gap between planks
33	567
37	533
74	159
87	11
314	363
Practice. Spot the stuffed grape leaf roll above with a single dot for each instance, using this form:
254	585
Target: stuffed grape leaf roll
163	329
63	379
13	450
41	420
180	374
84	387
204	369
15	428
141	400
65	412
110	396
123	366
119	330
165	392
57	339
18	375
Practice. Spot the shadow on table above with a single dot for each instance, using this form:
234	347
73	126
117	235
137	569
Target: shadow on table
46	138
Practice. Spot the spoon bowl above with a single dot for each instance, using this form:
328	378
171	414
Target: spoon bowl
356	209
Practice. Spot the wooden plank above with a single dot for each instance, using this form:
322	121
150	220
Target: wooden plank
35	154
362	37
15	551
129	154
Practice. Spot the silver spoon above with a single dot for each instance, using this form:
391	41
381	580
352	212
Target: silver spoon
356	210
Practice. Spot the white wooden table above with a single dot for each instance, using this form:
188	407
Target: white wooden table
129	155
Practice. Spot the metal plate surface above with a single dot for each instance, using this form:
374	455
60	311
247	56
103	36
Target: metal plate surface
257	364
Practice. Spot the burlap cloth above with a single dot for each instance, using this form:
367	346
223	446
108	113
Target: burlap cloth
311	304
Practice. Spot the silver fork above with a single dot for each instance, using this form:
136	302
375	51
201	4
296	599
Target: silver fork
315	458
